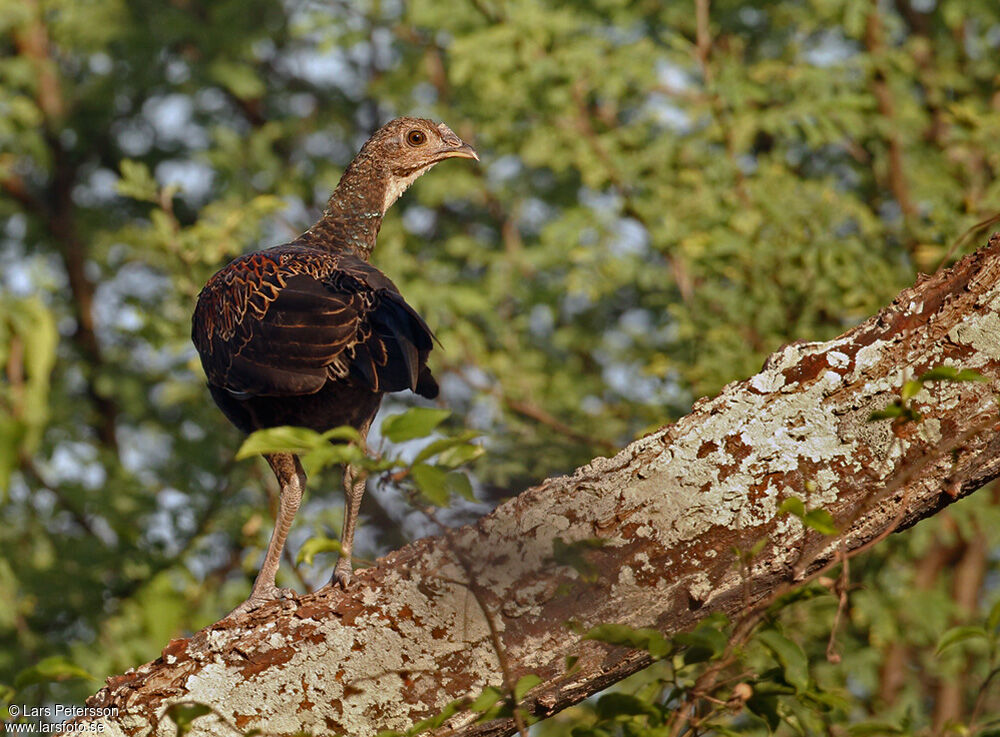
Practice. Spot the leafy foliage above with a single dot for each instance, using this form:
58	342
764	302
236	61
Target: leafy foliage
430	473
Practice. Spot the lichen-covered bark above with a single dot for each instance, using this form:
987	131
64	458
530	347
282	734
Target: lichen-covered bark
670	508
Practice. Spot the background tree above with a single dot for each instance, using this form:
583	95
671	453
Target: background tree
669	191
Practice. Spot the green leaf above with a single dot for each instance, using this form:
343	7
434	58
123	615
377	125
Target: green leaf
819	520
765	706
239	78
460	454
970	375
432	483
184	714
896	411
486	699
459	484
418	422
956	635
755	549
442	444
524	684
377	465
438	719
893	410
137	182
571	661
315	545
499	708
328	454
951	373
794	506
644	638
772	682
344	432
284	439
940	373
53	668
433	448
617	705
910	390
793	660
705	642
993	620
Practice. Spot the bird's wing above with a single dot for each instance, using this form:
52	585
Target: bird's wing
393	341
283	322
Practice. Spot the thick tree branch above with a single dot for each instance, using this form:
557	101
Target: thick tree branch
671	509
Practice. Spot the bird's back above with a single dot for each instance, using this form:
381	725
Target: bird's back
299	335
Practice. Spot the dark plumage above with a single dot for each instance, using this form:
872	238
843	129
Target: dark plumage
310	334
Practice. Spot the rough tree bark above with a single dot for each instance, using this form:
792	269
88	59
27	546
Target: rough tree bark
409	635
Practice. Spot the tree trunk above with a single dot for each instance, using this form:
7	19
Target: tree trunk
670	511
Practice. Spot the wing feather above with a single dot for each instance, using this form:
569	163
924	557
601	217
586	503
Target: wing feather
285	321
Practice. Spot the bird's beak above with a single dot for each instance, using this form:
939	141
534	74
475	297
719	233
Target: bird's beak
463	151
454	147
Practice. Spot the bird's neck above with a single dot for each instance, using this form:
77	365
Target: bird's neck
354	213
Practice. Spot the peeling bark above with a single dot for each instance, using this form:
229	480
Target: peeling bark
409	637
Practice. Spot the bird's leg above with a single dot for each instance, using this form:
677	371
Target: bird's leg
292	480
355	480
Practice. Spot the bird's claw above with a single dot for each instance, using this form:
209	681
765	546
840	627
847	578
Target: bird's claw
257	599
342	573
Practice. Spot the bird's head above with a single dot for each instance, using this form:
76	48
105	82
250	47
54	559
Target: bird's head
405	148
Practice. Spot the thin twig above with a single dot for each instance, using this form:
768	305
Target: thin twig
703	39
832	656
981	697
972	230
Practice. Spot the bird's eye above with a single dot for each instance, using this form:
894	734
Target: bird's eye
416	137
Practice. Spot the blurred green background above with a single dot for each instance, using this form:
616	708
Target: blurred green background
668	192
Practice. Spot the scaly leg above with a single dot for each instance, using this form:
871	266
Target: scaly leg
292	480
355	481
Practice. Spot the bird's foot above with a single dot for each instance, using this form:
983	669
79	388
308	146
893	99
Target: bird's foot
342	573
257	599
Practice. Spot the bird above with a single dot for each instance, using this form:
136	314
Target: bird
310	334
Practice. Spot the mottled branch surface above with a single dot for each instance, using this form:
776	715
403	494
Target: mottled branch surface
671	508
